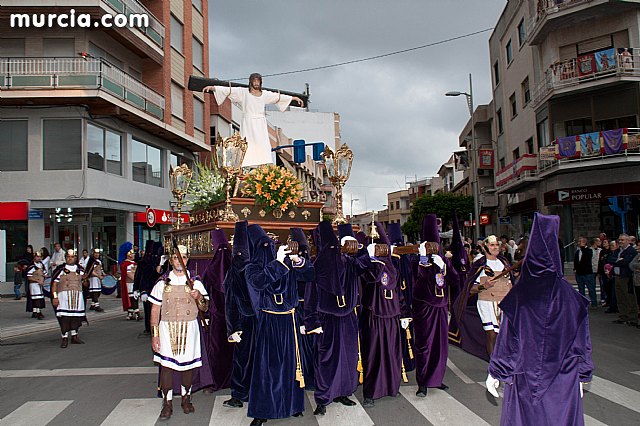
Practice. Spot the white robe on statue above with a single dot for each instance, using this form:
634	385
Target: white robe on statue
254	121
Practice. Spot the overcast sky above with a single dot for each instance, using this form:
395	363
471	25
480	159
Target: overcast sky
394	114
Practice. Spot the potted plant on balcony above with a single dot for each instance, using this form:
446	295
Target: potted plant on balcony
274	187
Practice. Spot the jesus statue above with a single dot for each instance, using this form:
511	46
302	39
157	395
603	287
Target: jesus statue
254	121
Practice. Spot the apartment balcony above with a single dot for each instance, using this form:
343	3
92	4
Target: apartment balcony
146	41
519	173
104	88
572	75
628	155
552	15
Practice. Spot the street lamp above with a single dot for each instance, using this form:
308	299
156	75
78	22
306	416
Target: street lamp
338	166
352	200
473	154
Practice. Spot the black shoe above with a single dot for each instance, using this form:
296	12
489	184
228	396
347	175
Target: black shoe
632	323
320	410
443	387
610	311
40	316
344	401
619	321
75	340
258	422
233	403
34	315
300	414
92	308
64	343
99	309
368	402
422	391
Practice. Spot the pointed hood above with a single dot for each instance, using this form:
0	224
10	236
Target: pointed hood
544	308
297	235
395	234
430	231
262	249
216	269
459	258
330	269
362	238
219	240
241	240
390	269
345	230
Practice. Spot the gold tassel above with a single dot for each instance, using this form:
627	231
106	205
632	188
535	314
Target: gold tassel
409	343
404	374
299	376
359	368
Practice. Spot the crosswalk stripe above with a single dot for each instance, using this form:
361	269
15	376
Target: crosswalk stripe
441	409
341	415
637	373
35	413
615	393
139	412
66	372
454	368
224	416
590	421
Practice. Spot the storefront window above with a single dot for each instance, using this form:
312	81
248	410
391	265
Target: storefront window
16	232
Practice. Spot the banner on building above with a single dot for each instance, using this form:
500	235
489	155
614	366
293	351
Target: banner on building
625	58
461	160
590	144
486	158
605	60
614	141
547	153
633	141
568	147
586	64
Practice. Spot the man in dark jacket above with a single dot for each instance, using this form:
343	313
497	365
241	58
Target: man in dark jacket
584	270
627	304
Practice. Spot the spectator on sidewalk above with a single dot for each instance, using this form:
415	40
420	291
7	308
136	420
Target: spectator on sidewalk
608	269
583	268
57	258
635	268
625	291
596	247
17	280
605	251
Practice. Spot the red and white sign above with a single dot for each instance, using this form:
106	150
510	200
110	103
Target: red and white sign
151	217
485	219
154	217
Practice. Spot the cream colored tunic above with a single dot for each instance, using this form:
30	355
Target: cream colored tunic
254	121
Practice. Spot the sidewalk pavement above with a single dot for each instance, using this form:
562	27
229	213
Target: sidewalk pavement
15	321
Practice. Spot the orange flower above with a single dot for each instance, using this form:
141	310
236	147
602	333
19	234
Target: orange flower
273	186
269	178
267	195
272	202
279	181
284	206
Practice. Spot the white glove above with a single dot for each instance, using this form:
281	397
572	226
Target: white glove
283	251
347	238
318	330
448	255
371	249
493	384
404	323
295	258
437	260
235	337
303	329
136	294
422	249
144	296
581	391
393	247
163	260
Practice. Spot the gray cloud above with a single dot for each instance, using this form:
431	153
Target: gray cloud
393	111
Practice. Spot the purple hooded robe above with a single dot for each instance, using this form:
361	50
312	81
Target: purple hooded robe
543	349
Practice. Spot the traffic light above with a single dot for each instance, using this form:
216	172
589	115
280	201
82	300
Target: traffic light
299	151
318	149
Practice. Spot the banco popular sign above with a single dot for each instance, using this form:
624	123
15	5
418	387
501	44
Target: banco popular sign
590	193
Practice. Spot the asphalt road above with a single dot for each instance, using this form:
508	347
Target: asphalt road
111	380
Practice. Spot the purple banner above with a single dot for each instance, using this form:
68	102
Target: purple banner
590	144
567	147
612	140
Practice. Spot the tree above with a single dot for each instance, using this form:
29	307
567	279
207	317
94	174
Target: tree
442	204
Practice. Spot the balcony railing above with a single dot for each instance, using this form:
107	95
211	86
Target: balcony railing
78	73
519	169
155	30
588	68
596	156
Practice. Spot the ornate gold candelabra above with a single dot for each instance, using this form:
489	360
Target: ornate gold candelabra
228	156
338	165
179	179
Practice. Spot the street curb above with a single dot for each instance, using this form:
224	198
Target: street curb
13	334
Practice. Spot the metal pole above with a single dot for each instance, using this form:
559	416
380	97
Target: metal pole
474	161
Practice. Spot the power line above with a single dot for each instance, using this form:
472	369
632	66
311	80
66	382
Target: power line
371	58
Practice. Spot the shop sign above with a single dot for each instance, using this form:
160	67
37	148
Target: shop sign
36	214
158	216
485	219
590	193
506	220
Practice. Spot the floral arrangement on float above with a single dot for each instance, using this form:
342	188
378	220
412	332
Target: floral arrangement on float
274	187
206	187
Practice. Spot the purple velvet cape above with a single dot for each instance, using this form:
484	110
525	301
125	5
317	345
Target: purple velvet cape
337	347
543	349
239	314
273	286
